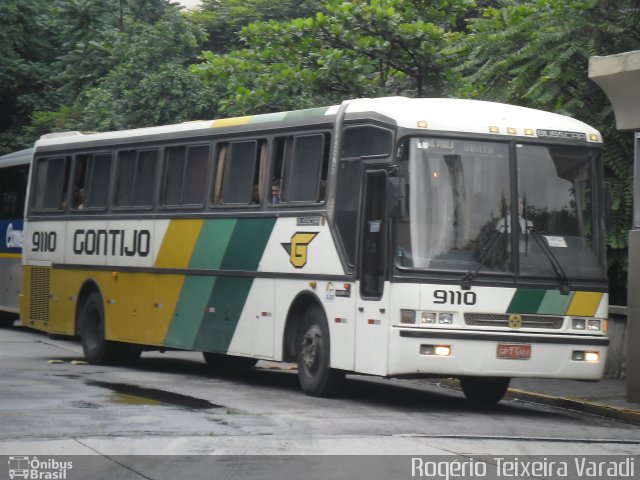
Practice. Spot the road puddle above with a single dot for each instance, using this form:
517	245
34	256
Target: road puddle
126	394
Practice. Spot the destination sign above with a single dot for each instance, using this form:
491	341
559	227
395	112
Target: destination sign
560	135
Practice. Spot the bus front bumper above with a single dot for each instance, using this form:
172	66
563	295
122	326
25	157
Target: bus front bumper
496	354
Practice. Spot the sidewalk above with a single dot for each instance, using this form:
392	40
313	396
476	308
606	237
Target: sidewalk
606	397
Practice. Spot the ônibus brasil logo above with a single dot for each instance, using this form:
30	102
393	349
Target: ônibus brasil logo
34	469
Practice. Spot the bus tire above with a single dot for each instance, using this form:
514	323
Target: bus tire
96	348
484	390
221	363
313	353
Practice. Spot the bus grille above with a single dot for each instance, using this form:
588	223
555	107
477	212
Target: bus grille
40	294
502	320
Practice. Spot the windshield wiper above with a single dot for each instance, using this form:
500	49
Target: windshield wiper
465	281
564	281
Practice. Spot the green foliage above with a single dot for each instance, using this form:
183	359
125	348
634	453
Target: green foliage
351	49
104	65
225	19
27	45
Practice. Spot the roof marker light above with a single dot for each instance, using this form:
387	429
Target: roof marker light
423	124
528	131
494	130
593	137
511	131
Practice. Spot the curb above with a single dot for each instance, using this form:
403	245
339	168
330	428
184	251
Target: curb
617	413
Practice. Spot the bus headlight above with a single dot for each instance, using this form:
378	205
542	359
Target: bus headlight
594	325
578	323
428	317
445	318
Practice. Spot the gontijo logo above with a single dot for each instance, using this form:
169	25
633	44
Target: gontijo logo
34	469
13	236
298	247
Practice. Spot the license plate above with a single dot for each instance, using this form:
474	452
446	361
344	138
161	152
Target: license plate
519	351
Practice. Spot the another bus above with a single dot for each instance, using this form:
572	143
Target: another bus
14	172
392	236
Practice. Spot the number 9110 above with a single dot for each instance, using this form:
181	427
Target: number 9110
454	297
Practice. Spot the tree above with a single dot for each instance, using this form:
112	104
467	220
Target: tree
27	43
224	20
352	49
149	83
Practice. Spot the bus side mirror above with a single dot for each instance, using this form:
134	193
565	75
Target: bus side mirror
395	197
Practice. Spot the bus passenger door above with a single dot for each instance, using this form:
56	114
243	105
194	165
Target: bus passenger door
372	318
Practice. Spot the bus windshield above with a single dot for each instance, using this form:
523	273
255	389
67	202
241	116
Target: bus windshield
459	208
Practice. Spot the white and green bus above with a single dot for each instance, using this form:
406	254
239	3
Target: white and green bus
391	236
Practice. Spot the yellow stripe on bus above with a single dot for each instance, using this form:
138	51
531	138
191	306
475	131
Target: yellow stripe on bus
231	122
11	255
584	304
178	243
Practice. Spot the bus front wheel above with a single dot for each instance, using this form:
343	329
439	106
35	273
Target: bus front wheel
484	390
96	348
316	377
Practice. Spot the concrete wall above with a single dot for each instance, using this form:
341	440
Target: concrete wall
616	366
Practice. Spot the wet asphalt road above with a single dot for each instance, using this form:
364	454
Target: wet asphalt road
170	405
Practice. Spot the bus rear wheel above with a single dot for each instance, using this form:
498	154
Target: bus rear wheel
484	390
7	319
313	349
96	348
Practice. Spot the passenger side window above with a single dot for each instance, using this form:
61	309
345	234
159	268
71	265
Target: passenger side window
300	168
91	181
51	185
366	141
136	178
238	173
185	177
13	185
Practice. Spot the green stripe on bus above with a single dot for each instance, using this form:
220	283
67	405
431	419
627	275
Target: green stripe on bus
268	117
247	244
554	303
217	327
191	307
229	295
308	113
526	301
212	243
208	312
208	252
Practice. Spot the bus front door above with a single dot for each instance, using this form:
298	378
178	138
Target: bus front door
372	319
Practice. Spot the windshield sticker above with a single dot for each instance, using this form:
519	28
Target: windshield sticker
556	242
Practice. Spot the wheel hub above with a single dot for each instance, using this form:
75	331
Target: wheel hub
311	349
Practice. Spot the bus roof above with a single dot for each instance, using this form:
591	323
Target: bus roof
428	114
20	157
473	116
